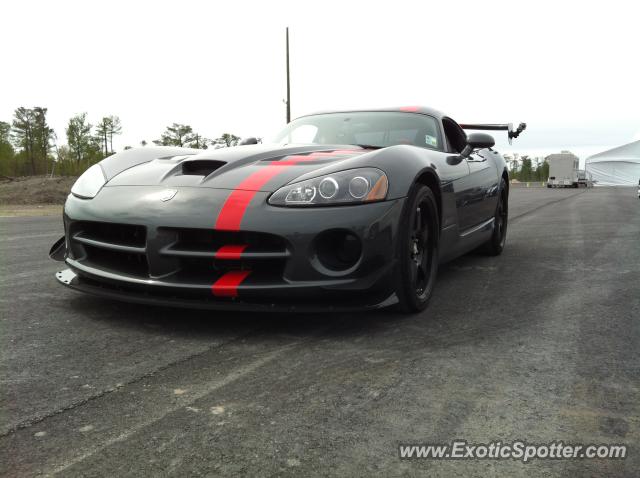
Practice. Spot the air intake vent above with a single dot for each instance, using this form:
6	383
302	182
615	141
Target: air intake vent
201	167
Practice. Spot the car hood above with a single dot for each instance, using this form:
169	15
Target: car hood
252	167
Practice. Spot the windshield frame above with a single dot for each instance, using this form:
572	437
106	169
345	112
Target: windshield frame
281	136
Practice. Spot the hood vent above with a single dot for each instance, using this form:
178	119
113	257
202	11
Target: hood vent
200	167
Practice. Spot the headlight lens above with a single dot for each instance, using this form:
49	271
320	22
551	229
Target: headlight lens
328	188
359	187
90	183
345	187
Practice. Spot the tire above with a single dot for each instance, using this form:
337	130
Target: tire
495	245
417	250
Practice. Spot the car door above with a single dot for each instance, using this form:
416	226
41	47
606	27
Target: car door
482	189
476	192
467	193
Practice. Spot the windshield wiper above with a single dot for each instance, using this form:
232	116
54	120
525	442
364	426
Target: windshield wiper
369	146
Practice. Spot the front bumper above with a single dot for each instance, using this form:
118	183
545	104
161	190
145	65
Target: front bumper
177	255
155	297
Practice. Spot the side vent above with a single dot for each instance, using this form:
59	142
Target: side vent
201	167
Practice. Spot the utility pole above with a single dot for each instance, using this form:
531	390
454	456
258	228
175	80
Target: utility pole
288	83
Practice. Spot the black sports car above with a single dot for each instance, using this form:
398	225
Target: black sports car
351	209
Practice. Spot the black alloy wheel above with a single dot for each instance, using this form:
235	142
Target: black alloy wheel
495	245
418	251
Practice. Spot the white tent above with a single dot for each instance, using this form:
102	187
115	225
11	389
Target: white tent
617	167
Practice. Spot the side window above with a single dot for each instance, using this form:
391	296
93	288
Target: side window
456	137
428	136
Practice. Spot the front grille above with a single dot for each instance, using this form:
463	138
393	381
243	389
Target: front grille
211	240
131	264
181	255
115	248
200	253
123	234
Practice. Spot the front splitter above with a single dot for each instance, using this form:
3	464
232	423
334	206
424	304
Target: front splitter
71	279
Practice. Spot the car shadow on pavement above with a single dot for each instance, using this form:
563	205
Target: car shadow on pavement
475	298
188	322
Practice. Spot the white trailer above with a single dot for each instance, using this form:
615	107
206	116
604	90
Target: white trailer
563	170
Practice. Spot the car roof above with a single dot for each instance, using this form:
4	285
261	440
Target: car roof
399	109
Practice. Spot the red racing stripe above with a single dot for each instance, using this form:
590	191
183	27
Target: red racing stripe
230	252
233	210
227	285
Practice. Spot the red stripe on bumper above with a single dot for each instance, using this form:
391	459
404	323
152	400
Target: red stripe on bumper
230	252
227	285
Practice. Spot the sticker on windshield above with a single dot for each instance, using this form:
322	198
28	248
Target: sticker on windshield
431	140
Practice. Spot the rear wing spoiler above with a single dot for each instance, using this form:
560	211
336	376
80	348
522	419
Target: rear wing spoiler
512	133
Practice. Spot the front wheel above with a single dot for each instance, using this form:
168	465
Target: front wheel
417	263
495	245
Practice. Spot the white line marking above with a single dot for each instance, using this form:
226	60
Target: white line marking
231	377
31	236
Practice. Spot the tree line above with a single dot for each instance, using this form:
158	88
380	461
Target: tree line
527	169
29	146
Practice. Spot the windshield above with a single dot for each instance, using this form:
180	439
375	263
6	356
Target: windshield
378	129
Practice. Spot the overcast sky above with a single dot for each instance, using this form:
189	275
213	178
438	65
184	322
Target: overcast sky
568	69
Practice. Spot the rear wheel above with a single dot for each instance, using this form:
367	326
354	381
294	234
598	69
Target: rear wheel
495	245
417	250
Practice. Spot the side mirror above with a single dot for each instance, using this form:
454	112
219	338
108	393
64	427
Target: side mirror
250	140
477	141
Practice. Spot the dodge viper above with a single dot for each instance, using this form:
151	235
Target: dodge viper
343	210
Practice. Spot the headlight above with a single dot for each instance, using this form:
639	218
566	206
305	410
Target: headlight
90	183
345	187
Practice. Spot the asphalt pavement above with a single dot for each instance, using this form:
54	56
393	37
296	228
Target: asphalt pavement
541	344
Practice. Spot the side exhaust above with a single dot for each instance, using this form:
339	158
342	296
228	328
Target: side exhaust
58	250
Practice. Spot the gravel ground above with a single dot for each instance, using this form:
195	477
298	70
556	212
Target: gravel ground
35	190
540	344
